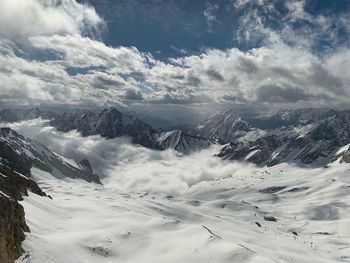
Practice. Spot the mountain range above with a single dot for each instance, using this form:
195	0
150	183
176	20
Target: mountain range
312	142
111	123
303	137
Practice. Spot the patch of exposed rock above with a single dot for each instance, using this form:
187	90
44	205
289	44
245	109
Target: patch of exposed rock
12	218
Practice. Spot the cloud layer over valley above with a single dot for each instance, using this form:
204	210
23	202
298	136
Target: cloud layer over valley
131	167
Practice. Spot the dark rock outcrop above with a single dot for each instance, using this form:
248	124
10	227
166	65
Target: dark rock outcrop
85	164
12	218
18	155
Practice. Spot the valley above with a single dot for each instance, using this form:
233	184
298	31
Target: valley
214	220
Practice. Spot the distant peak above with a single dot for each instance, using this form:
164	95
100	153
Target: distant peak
111	112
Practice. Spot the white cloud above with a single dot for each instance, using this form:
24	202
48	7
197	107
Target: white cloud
81	52
121	75
210	14
78	70
133	168
21	19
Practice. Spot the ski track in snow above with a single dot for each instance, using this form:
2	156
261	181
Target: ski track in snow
213	221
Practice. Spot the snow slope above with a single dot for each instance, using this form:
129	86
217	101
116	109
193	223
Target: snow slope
195	208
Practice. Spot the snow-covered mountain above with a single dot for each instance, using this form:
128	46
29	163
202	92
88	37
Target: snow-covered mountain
111	123
308	142
228	126
283	117
19	157
192	208
225	126
22	154
181	142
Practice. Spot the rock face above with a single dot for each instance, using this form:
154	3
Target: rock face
181	142
313	143
225	126
12	225
85	164
21	154
110	123
345	155
12	220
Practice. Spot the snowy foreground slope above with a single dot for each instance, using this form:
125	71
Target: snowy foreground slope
195	208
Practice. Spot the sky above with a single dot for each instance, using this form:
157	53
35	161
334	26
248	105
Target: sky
175	55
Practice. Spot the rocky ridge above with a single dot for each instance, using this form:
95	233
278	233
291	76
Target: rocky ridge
13	186
310	143
22	154
111	123
223	126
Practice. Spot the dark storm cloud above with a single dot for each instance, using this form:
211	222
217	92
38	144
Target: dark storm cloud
285	73
247	65
132	94
287	94
193	80
321	77
234	99
103	82
214	75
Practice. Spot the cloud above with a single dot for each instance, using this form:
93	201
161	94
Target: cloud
247	65
132	94
119	75
210	15
322	77
22	19
299	23
132	167
82	52
181	99
214	74
76	69
288	94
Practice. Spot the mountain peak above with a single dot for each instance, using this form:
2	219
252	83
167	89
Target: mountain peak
111	112
308	142
110	123
225	126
